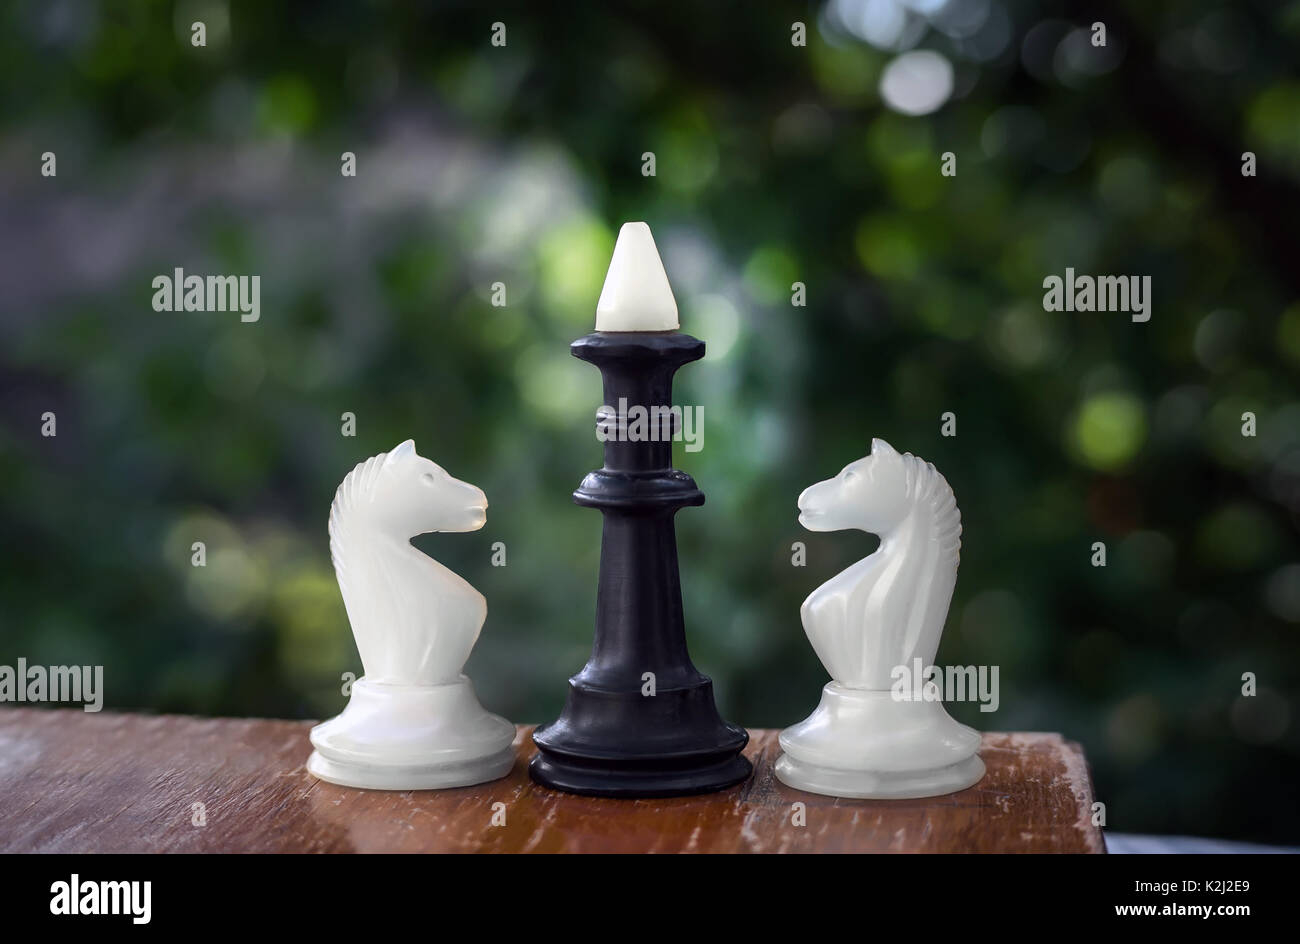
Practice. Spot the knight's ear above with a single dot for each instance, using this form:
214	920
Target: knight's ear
405	451
881	448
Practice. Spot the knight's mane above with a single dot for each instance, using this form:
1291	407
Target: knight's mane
927	486
355	489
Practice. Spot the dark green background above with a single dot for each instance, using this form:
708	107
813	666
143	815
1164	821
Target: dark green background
774	164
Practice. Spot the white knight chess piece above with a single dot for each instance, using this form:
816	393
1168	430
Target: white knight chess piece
413	721
881	613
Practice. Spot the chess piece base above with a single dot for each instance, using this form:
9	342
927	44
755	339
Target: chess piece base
412	737
624	744
631	779
866	744
879	785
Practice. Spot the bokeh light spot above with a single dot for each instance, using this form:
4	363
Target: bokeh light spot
887	248
572	259
769	273
715	317
917	83
1110	429
287	104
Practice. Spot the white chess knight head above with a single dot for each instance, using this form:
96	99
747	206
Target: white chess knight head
868	494
414	620
890	607
415	495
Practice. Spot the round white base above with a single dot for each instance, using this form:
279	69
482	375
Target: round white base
879	785
865	744
371	777
412	737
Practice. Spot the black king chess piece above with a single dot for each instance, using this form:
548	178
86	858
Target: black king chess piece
615	737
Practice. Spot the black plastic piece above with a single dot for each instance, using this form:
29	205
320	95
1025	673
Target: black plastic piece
612	740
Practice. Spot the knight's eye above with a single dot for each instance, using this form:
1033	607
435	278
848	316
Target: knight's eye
850	477
428	478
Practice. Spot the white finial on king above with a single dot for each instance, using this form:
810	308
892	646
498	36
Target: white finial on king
413	721
636	296
878	616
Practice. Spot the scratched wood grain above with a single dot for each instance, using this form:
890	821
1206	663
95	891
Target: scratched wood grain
77	782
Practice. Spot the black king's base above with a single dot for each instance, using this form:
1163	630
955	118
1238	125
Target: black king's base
614	737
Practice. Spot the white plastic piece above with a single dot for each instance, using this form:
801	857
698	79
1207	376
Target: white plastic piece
636	296
880	614
413	721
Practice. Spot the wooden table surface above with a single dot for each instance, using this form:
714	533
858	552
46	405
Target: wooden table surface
77	782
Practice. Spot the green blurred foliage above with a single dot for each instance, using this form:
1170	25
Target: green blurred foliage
775	164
